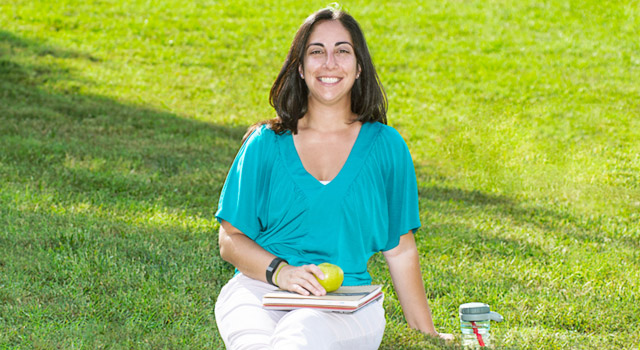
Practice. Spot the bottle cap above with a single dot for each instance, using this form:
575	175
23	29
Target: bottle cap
478	312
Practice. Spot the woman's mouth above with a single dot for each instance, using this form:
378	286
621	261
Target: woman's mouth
329	80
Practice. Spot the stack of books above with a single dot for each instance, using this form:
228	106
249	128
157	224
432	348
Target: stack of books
346	299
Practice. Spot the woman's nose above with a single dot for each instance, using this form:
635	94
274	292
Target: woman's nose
330	61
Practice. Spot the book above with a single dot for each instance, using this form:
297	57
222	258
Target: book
346	299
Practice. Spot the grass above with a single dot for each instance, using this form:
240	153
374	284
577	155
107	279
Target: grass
118	121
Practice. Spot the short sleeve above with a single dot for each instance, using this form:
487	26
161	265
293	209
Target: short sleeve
240	196
402	192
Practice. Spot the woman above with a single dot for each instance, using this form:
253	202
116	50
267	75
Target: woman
326	181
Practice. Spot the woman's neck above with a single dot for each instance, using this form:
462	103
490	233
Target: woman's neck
327	118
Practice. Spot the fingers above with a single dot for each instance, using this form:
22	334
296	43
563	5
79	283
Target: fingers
301	280
446	336
316	271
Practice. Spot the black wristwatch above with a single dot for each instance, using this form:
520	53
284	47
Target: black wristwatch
272	268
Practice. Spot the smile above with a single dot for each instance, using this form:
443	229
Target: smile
328	80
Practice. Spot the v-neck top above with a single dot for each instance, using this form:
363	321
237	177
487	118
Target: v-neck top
270	197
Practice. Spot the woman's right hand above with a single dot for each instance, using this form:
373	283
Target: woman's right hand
301	279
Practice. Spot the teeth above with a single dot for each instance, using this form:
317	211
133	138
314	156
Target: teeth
329	80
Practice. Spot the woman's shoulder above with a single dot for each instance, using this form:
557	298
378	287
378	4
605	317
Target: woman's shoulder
260	134
260	143
389	136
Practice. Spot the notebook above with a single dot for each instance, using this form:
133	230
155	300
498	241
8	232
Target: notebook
346	299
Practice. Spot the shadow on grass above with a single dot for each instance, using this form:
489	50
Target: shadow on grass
94	197
598	229
96	148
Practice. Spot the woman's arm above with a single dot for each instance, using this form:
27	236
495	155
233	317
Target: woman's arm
404	267
252	260
242	252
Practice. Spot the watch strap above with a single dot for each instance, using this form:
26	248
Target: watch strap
272	268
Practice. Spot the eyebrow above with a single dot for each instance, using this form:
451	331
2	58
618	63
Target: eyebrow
337	44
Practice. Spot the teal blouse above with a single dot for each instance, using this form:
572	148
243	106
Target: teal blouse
271	198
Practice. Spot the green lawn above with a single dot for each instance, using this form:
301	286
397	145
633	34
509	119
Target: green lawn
119	120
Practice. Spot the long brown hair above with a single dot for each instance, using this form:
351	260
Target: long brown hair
289	93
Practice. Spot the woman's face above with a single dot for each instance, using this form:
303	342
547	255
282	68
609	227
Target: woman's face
330	67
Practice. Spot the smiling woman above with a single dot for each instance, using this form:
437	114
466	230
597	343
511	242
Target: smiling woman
325	181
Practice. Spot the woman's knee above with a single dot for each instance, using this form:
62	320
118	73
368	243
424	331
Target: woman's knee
313	329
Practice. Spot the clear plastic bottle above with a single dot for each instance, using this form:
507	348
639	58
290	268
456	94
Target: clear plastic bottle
475	319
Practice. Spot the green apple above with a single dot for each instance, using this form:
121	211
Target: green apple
333	276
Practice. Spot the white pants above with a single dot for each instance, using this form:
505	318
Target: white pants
244	324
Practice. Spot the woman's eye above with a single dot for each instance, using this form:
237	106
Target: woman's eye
343	51
315	52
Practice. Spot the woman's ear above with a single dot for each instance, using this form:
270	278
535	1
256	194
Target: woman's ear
359	71
300	71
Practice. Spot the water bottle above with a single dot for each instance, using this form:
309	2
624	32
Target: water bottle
474	323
